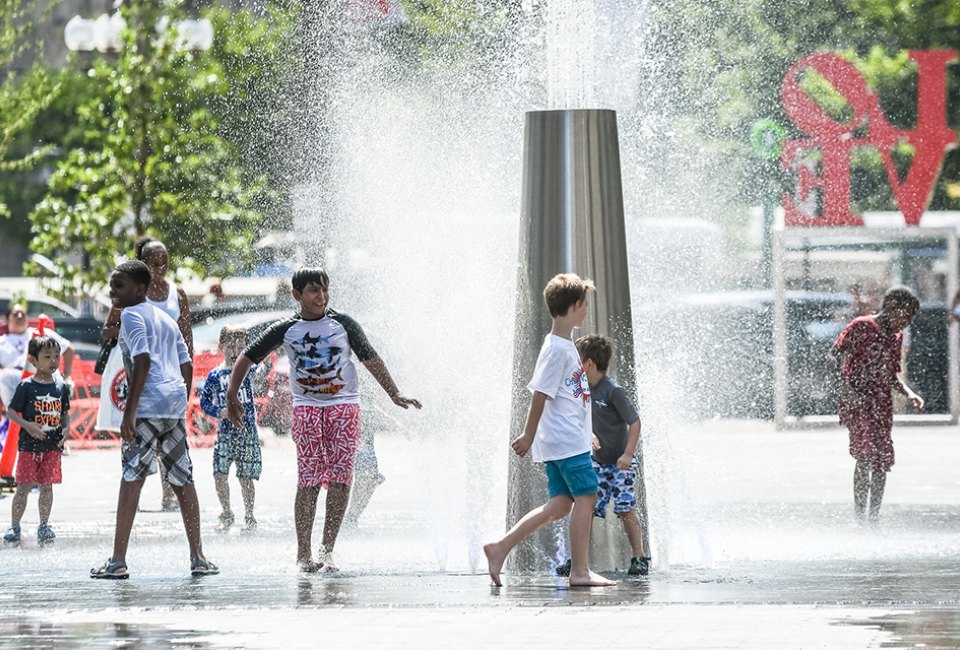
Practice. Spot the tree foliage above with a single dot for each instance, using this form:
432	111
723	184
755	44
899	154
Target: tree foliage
24	93
723	63
156	157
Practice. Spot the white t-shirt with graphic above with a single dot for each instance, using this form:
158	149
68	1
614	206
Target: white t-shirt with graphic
145	329
565	426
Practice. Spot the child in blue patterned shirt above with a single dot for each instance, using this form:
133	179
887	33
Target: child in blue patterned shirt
240	445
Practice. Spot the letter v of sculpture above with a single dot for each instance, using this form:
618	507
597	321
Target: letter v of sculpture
930	139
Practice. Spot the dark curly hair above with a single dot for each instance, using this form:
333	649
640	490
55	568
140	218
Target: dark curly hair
137	271
147	245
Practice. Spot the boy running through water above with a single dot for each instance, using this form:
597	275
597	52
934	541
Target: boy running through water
868	353
320	344
239	445
40	407
558	430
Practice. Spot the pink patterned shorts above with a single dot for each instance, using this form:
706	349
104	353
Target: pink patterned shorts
327	438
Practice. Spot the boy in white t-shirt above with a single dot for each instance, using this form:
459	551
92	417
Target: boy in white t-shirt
159	376
559	431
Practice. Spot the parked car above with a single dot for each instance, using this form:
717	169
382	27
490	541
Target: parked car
718	349
67	321
272	377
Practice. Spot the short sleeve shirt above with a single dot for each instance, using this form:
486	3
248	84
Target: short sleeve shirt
144	329
871	356
565	426
213	399
613	413
46	405
322	372
13	348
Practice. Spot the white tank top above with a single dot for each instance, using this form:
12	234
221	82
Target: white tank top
171	305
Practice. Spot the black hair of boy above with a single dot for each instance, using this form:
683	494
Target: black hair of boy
302	277
596	348
38	344
902	296
136	270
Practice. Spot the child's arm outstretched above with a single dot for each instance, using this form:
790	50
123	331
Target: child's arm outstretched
901	387
378	369
522	444
234	408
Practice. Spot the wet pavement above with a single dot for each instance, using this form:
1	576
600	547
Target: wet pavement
756	547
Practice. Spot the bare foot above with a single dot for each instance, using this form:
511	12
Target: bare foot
495	559
590	579
306	565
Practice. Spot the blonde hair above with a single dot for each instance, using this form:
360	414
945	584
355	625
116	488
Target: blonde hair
233	334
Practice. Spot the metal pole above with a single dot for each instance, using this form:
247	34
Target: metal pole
572	221
779	331
953	337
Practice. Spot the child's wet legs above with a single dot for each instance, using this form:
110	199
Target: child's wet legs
631	526
45	503
878	482
190	513
127	502
556	508
581	523
869	483
249	494
20	502
304	513
338	496
861	488
223	492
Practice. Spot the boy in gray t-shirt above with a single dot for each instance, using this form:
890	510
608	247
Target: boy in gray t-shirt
616	432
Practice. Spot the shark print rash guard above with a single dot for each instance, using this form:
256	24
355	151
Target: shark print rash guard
320	351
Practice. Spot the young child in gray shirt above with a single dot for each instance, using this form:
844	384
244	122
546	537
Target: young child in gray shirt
616	432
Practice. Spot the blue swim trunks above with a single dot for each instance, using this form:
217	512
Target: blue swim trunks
572	476
616	484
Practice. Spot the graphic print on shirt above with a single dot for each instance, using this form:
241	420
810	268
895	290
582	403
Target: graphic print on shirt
579	385
118	390
47	411
318	365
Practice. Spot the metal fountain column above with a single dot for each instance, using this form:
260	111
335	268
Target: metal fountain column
571	221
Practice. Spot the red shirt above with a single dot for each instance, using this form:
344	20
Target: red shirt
871	357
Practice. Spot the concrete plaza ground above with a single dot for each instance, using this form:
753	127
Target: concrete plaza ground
753	537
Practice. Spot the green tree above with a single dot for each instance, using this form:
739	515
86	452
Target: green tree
717	67
154	160
24	93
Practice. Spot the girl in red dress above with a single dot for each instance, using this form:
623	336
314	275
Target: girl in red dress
868	352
